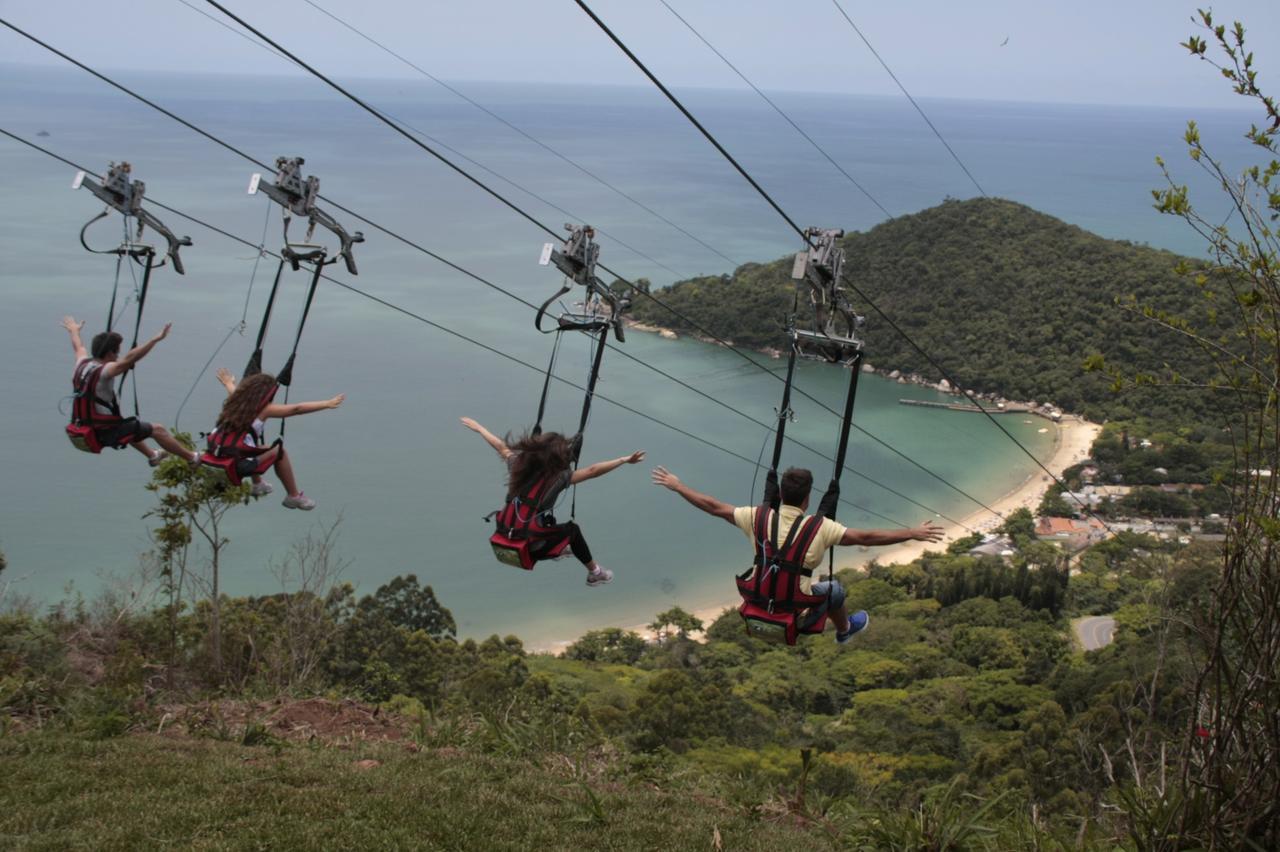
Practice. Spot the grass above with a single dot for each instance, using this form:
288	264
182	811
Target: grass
58	791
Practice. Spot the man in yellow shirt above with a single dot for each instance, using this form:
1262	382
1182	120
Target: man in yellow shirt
794	488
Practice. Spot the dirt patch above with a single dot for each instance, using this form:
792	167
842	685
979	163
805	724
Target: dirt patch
295	720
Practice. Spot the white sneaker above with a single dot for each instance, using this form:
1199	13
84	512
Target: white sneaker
302	502
599	577
260	489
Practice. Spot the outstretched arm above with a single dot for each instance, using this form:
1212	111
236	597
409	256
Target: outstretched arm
705	502
582	474
126	361
293	409
73	329
491	439
928	531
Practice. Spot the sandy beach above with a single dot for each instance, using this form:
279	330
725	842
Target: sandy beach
1072	440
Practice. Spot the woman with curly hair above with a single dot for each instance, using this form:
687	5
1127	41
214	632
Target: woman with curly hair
240	429
547	458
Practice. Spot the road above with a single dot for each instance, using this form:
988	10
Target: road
1095	631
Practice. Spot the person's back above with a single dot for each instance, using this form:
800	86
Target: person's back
794	489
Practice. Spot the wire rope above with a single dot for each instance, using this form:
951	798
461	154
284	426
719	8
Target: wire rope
776	109
506	202
450	331
768	198
889	70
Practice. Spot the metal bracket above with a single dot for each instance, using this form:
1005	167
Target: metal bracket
119	192
576	259
297	195
819	269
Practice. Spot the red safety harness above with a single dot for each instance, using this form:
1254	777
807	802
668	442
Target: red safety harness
226	448
86	420
773	606
522	538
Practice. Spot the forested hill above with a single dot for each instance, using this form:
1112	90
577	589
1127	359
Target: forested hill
1007	299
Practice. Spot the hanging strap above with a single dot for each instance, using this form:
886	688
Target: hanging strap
576	441
150	255
831	499
772	494
255	360
546	386
286	373
285	376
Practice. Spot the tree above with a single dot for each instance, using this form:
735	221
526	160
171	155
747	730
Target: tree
1019	526
1230	766
192	501
611	645
403	603
684	623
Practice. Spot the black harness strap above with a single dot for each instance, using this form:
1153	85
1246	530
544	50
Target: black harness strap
255	360
546	386
772	497
150	254
286	373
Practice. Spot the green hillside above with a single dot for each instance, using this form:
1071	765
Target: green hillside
1007	299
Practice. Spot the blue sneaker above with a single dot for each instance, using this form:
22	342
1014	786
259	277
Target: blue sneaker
857	623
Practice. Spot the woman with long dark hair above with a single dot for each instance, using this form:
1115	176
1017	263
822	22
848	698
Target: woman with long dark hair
241	427
545	462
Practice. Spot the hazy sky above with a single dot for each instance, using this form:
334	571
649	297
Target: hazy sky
1119	52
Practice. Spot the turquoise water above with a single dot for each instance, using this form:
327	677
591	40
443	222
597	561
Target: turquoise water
409	483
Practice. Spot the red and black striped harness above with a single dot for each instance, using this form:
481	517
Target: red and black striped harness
773	606
86	420
521	538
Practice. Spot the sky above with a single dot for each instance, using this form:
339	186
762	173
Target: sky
1083	51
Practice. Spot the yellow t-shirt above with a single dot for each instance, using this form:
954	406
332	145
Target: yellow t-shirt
829	534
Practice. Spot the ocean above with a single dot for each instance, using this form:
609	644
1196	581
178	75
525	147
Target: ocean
406	483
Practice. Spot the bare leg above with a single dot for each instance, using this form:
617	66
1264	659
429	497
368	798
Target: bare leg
840	618
284	470
162	437
144	448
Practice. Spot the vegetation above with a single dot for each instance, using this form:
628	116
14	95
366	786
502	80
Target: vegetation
963	713
964	719
1009	300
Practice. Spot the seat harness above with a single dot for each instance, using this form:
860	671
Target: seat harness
601	312
86	420
225	448
773	606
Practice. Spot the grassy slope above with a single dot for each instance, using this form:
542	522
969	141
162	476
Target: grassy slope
59	792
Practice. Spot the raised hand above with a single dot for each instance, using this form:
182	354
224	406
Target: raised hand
70	324
471	424
636	457
227	380
336	401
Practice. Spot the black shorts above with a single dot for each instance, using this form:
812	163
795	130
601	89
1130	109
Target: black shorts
127	431
255	465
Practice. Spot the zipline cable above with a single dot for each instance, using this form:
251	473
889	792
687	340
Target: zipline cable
535	140
710	138
692	323
889	70
446	329
776	109
542	226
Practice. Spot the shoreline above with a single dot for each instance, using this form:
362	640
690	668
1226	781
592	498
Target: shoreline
1073	439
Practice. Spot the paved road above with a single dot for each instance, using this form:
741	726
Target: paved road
1095	631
